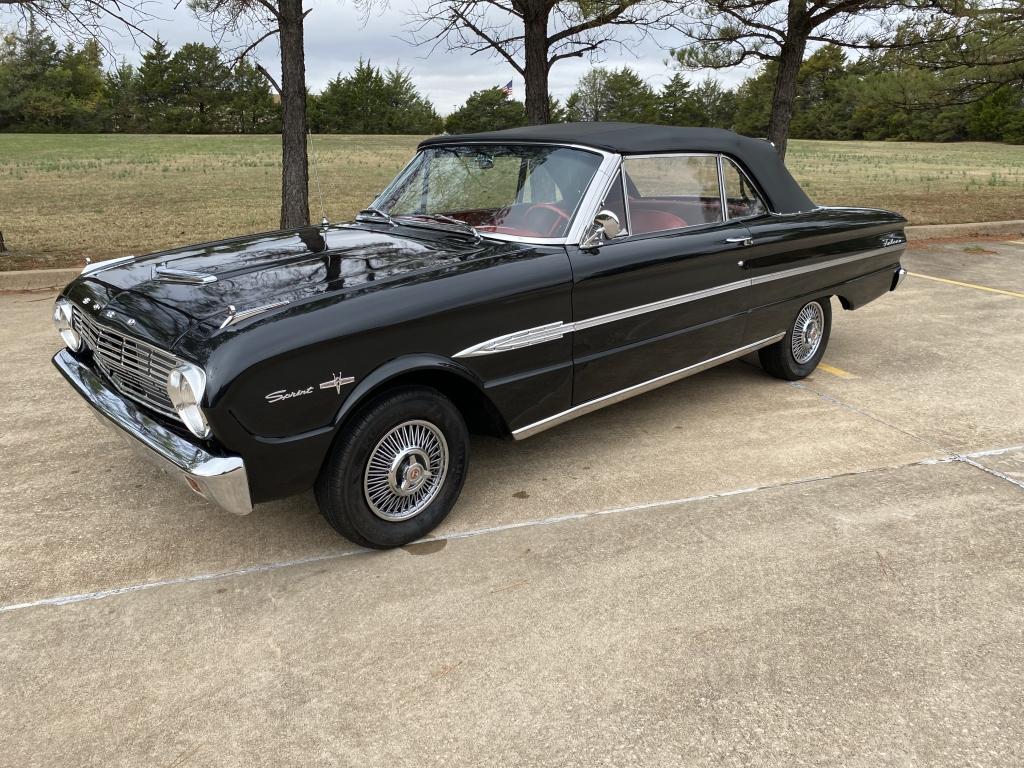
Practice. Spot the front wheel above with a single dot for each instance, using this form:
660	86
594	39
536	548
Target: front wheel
801	349
397	470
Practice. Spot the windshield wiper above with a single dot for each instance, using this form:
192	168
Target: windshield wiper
374	214
426	219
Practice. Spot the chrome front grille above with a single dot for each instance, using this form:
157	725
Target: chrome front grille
135	368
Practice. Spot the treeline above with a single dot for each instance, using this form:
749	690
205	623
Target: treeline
193	90
371	100
196	89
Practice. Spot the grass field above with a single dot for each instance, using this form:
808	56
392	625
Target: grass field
65	197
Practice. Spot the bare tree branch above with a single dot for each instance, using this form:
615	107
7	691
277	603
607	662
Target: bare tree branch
86	19
533	35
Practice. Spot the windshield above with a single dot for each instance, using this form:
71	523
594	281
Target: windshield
525	191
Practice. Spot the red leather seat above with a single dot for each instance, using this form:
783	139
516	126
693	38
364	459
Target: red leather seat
646	220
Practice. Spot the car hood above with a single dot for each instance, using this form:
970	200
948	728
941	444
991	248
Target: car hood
257	271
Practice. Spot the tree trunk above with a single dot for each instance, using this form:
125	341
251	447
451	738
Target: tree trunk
294	162
538	106
791	57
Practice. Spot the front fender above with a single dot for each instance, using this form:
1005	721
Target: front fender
399	368
282	466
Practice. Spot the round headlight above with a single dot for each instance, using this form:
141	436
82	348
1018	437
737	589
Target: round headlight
185	387
62	322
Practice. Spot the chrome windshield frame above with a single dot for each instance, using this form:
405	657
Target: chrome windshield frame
580	218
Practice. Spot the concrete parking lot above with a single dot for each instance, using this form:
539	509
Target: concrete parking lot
731	571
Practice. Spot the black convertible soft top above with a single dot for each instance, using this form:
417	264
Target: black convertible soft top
757	156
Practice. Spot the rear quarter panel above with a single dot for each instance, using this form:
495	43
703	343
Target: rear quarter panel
848	252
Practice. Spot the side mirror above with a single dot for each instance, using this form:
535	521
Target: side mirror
605	227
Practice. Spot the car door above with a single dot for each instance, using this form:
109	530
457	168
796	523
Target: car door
668	292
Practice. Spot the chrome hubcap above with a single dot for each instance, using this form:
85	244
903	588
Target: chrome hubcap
807	332
406	470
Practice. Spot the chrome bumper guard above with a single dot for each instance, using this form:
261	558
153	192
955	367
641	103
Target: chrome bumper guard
219	479
898	278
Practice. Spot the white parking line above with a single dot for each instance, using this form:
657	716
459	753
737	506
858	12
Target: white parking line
457	535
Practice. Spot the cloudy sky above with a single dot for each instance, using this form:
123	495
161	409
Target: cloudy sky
337	35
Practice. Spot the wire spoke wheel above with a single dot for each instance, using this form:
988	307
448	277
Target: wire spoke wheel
808	330
406	470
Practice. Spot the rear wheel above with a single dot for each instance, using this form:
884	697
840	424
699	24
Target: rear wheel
397	470
801	349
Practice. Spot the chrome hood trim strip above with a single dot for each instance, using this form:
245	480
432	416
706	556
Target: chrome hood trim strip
97	266
236	316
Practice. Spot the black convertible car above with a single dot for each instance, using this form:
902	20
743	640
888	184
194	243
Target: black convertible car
504	282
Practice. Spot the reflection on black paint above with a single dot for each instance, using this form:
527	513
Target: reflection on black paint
314	240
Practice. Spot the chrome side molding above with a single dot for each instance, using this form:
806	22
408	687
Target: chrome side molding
556	330
638	389
517	340
654	306
793	272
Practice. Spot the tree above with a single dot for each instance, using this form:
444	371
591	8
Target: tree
489	110
823	109
676	104
201	89
977	51
407	111
715	104
734	31
44	88
155	88
82	82
819	102
285	19
252	108
350	104
612	95
534	35
371	101
122	98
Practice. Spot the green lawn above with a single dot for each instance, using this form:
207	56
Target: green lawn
63	197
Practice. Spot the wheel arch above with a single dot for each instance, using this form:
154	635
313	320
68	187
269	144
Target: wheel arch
450	378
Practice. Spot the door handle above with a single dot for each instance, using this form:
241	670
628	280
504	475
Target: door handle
741	240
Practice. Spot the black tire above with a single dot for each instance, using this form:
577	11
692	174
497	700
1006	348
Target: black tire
779	359
340	492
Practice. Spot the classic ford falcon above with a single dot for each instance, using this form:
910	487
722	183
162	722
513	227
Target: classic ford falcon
504	282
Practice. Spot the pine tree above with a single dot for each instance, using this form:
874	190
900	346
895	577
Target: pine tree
489	110
155	88
676	103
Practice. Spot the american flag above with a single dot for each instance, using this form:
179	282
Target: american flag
507	89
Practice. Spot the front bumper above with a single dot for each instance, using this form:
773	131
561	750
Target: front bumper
220	479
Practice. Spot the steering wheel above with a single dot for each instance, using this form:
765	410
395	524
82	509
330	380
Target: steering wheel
559	217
